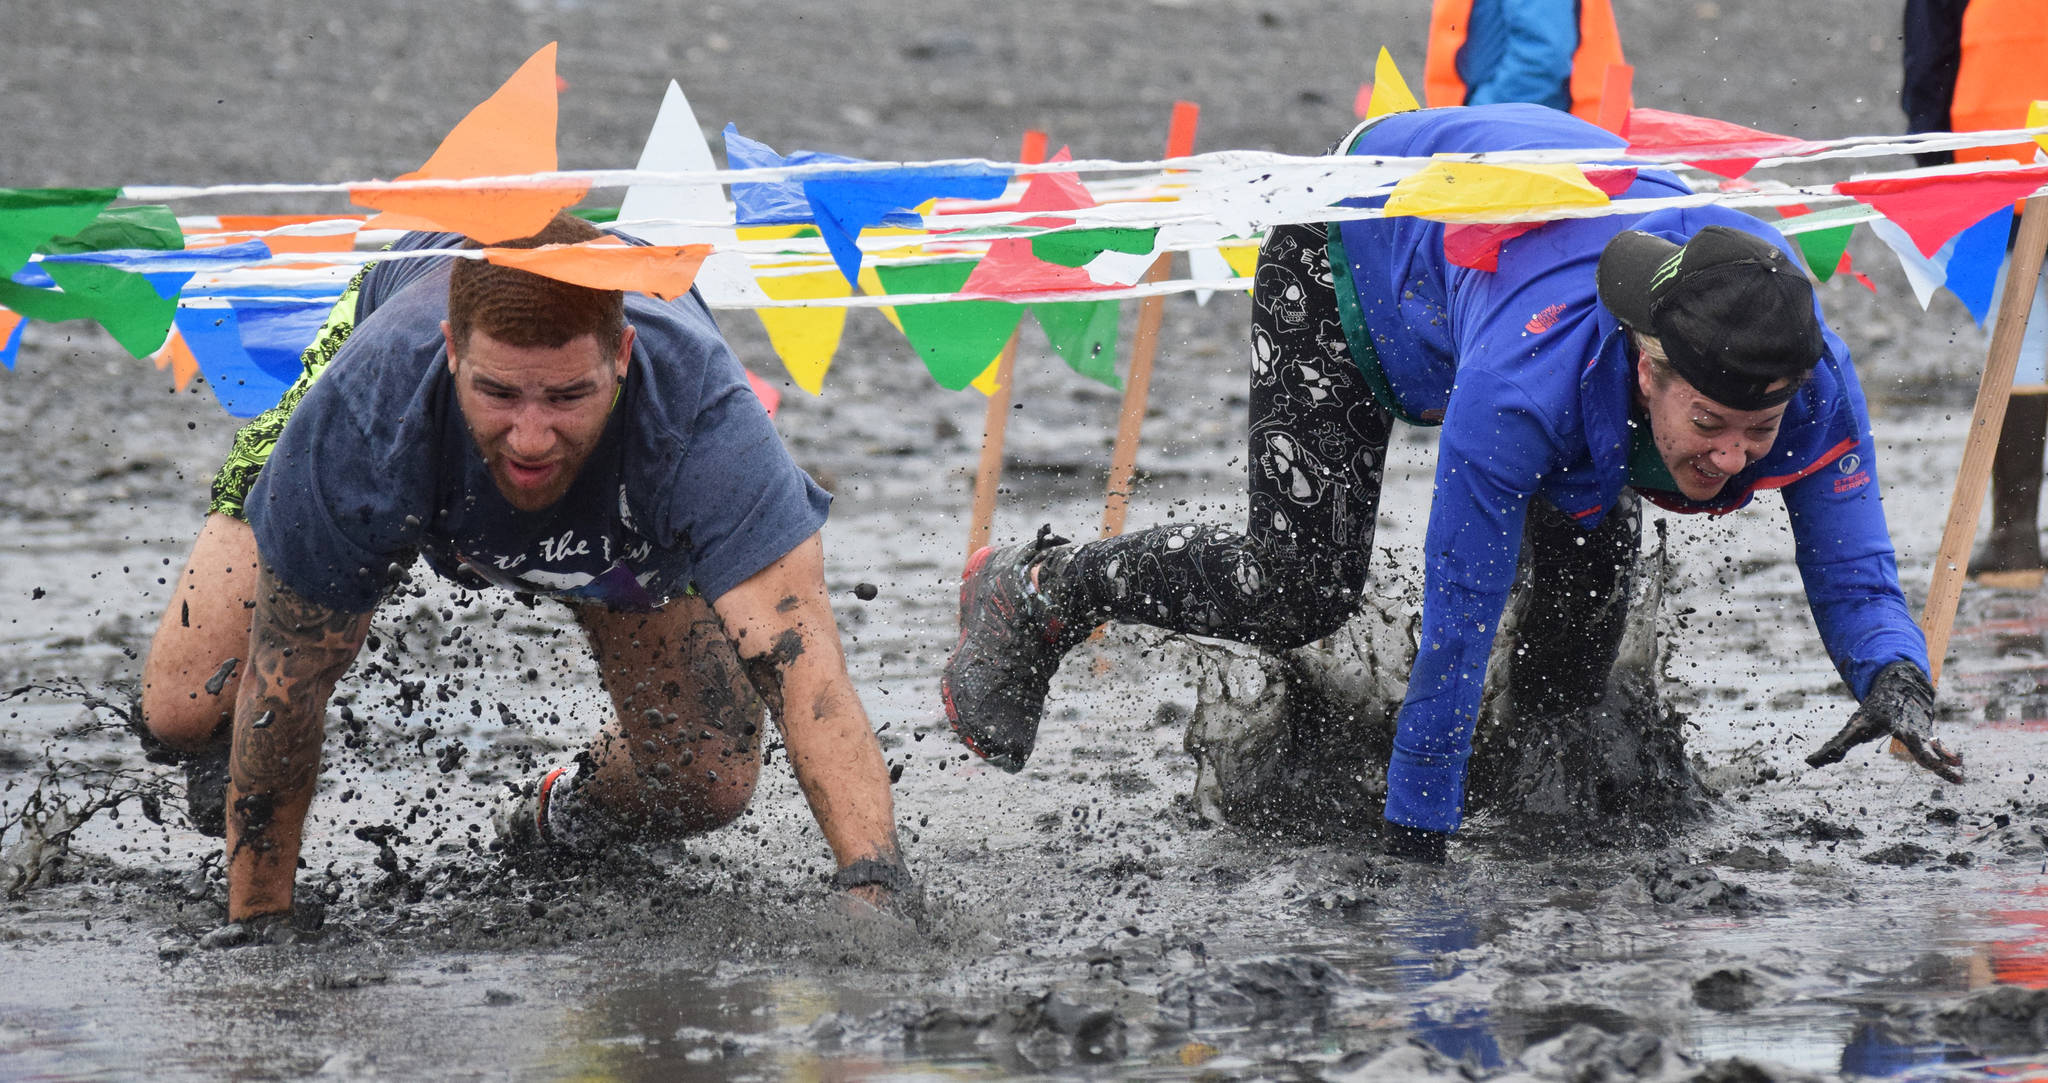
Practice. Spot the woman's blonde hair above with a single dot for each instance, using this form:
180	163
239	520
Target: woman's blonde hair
1652	350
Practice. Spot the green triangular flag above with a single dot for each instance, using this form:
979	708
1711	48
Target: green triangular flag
1823	249
1075	247
1084	333
152	227
121	301
957	339
30	216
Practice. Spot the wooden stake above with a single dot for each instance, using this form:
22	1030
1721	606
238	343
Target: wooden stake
1123	459
995	420
1994	389
994	424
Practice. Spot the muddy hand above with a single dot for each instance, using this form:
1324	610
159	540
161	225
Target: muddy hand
878	905
1900	705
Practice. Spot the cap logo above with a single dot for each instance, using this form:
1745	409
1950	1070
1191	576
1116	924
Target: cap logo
1666	271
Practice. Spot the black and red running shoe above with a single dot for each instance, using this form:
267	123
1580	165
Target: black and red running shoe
994	684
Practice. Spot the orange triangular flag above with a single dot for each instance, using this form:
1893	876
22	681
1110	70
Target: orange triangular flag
664	271
511	133
177	356
242	227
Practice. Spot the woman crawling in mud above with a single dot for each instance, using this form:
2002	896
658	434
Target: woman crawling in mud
1678	356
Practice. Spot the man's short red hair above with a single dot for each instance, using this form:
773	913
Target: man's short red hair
520	308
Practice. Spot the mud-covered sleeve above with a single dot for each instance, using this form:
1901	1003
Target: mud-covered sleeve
738	501
1493	456
1846	561
329	512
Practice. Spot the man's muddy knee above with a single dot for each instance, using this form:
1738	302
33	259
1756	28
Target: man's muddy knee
191	719
690	801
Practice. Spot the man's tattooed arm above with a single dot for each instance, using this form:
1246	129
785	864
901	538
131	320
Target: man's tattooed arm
298	649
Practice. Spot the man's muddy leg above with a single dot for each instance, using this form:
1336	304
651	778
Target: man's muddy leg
683	751
193	671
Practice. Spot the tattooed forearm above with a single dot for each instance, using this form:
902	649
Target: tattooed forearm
297	650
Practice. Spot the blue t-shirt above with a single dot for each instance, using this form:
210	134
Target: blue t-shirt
689	485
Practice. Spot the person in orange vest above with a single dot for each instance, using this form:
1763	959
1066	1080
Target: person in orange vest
1974	65
1547	52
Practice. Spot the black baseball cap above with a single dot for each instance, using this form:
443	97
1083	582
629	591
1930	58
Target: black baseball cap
1733	313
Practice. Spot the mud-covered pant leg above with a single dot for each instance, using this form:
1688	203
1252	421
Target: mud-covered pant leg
1317	445
1576	607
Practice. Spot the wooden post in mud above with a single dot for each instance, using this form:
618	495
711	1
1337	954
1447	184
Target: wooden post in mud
994	426
995	421
1123	459
1994	389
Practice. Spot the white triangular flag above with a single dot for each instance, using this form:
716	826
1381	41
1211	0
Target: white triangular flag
655	212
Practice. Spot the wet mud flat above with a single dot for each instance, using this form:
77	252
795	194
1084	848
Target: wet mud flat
1091	915
1085	915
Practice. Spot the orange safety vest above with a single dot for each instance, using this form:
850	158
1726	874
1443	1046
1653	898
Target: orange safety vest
1599	48
2004	66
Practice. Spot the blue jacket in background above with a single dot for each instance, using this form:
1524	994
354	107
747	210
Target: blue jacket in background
1533	380
1520	51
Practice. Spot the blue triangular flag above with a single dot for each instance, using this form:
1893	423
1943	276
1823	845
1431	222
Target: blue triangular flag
845	205
768	203
1973	264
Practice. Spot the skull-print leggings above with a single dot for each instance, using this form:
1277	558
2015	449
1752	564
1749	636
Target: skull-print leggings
1313	467
1318	441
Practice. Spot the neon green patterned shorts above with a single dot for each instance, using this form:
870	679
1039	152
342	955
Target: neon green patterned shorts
255	441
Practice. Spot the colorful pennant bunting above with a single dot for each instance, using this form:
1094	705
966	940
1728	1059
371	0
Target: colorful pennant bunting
1933	208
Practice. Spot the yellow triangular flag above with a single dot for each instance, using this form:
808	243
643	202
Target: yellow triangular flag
1390	93
1243	258
986	382
871	284
2037	117
1483	192
805	338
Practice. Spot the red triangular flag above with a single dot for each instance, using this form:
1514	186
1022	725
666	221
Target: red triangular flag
1932	209
1009	267
1734	148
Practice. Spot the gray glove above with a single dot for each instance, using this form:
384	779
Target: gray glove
1900	705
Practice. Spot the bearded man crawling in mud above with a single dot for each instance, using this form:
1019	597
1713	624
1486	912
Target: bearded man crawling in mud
601	448
1678	355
